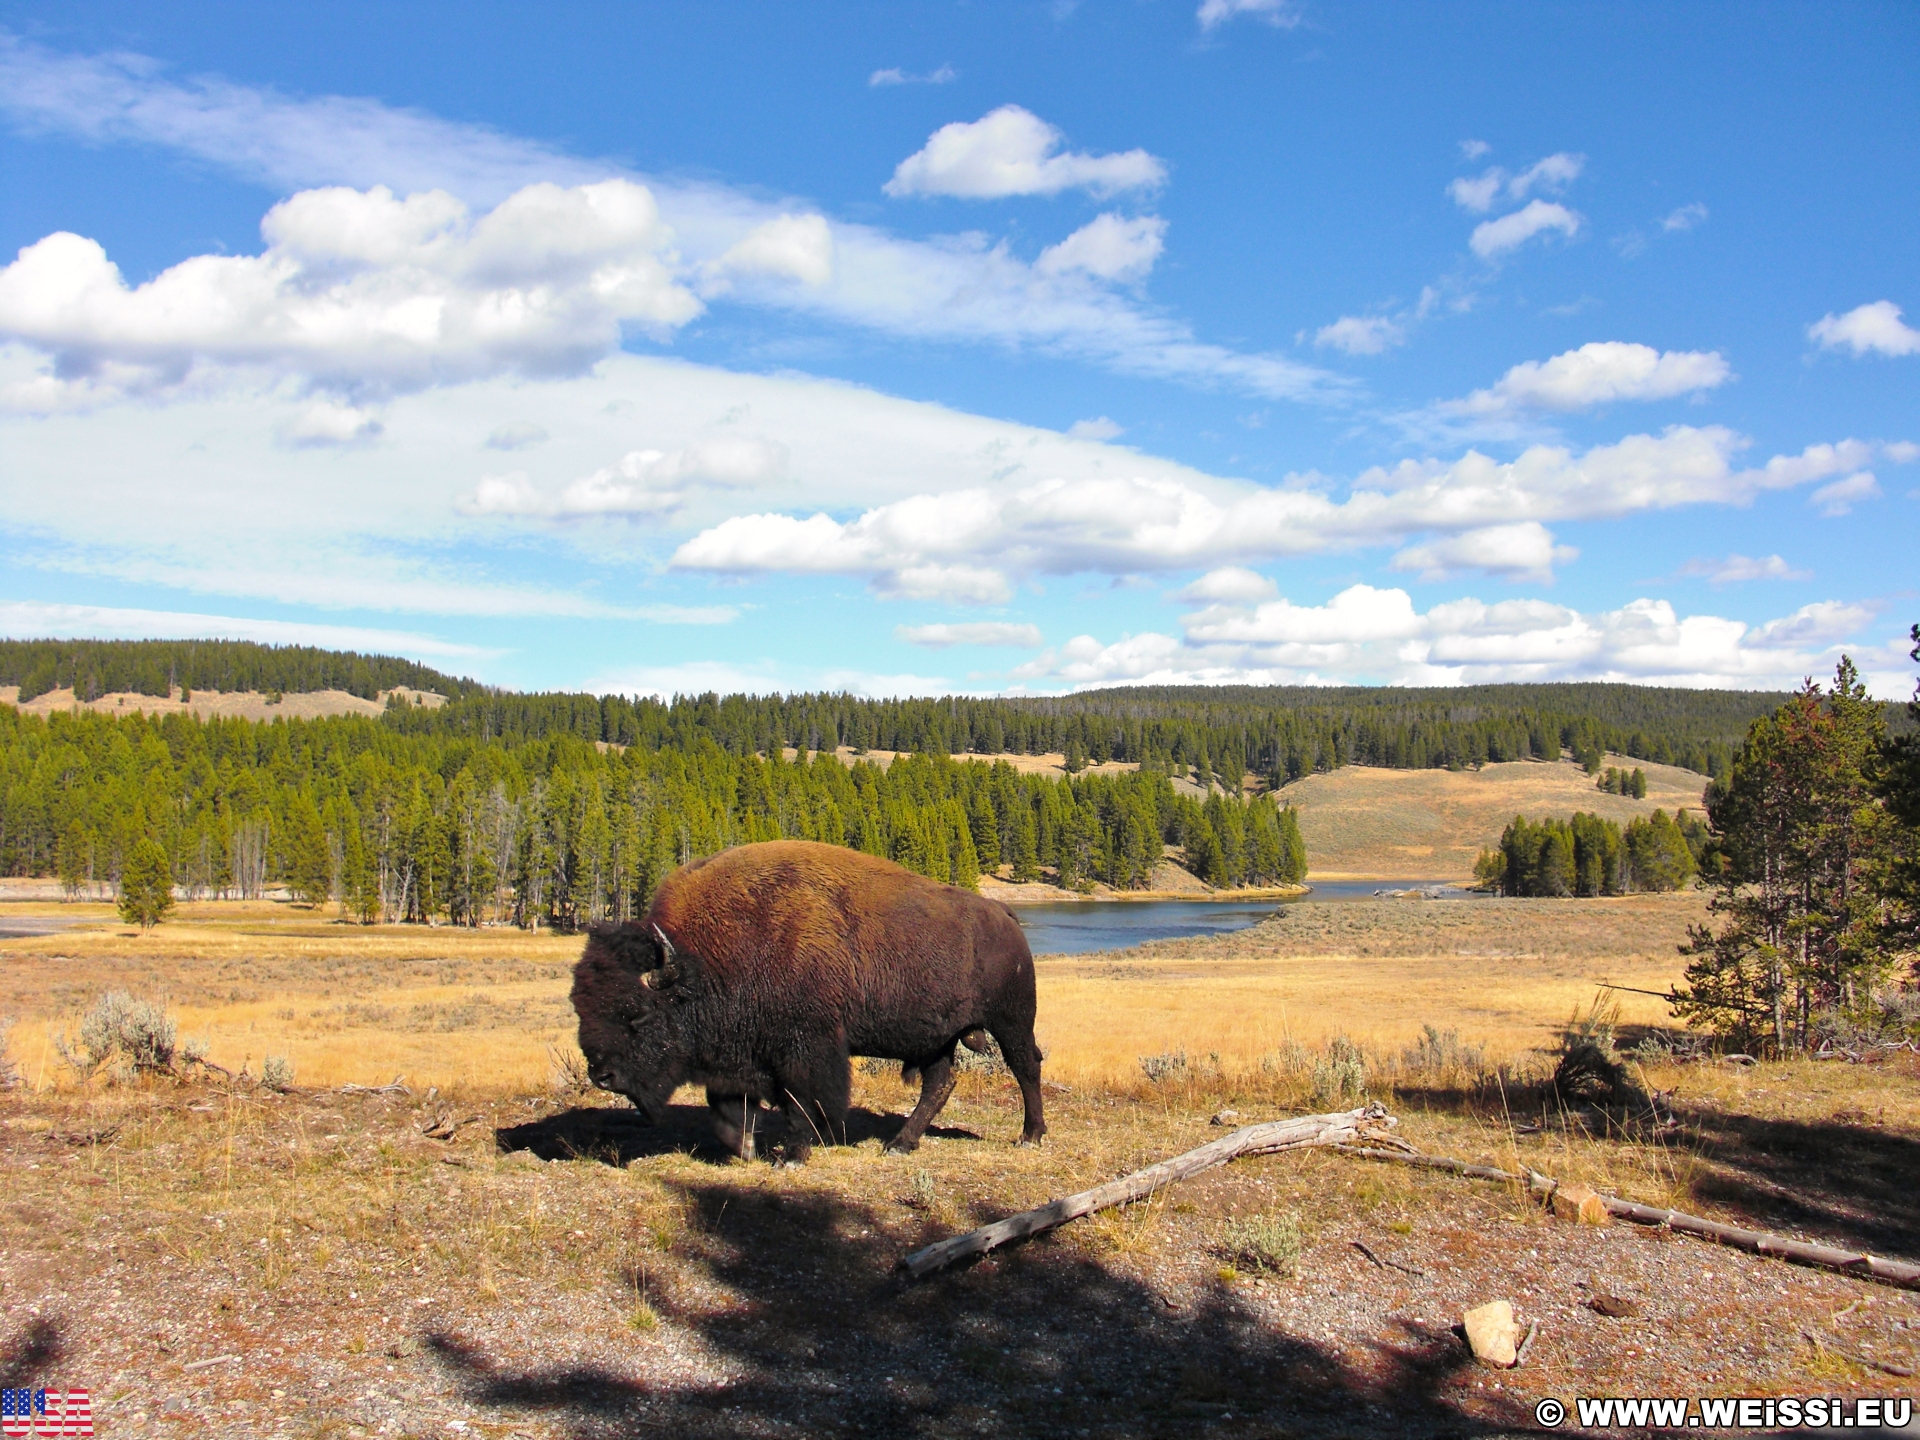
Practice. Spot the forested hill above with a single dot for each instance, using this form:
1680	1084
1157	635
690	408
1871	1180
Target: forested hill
1278	732
152	667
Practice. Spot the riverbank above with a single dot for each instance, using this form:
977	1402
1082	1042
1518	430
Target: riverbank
1039	893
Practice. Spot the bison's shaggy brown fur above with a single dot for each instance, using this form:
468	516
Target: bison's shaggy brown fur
760	971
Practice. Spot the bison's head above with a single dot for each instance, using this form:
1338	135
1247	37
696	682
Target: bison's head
631	990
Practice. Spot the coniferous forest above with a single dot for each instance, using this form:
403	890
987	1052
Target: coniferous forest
567	809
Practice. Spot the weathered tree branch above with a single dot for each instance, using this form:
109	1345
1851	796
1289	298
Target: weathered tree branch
1369	1124
1758	1242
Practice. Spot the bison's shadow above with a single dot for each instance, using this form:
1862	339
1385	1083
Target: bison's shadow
619	1136
821	1339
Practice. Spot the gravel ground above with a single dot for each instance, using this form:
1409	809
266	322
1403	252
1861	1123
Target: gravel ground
313	1265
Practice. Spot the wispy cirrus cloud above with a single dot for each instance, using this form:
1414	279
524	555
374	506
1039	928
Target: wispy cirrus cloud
41	620
727	244
894	75
1282	14
984	632
1739	569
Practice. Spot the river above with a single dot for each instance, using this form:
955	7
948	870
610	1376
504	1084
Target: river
1074	927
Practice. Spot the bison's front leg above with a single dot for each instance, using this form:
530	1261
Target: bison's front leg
936	1084
816	1089
736	1116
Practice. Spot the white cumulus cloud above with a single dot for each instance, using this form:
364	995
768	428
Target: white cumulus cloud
1108	247
1365	633
1841	496
788	247
986	632
1687	217
1230	584
1875	327
1496	237
1478	192
1599	373
1361	334
1012	151
976	543
1099	427
945	287
1525	551
362	291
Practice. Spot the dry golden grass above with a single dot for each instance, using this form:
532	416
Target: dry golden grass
638	1282
346	1003
478	1009
1430	824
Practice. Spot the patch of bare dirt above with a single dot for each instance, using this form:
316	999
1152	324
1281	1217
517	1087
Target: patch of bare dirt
238	1264
207	704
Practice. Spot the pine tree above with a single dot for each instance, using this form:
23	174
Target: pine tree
309	860
1026	844
359	883
1802	925
146	885
75	860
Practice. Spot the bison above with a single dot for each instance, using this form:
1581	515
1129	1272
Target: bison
760	971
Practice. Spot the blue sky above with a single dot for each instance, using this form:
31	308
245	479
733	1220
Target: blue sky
908	349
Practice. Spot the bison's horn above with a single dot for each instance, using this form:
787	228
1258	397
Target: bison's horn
666	946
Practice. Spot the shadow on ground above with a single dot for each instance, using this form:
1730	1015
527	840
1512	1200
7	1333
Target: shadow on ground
1843	1181
619	1136
26	1359
1046	1340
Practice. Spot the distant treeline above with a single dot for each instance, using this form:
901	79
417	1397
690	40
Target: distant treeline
1590	855
556	830
1279	733
92	668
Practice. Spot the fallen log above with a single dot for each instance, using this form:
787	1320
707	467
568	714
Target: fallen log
392	1087
1369	1123
1757	1242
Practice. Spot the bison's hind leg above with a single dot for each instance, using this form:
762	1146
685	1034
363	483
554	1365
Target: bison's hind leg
1022	1054
736	1116
936	1084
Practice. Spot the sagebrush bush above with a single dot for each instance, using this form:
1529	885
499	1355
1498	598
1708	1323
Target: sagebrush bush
8	1076
1342	1075
1439	1054
1169	1065
137	1033
276	1073
1263	1242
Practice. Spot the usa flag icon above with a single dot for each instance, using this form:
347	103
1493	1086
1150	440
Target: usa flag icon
45	1412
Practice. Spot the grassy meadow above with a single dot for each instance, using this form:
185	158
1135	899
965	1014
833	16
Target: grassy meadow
494	1252
483	1010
